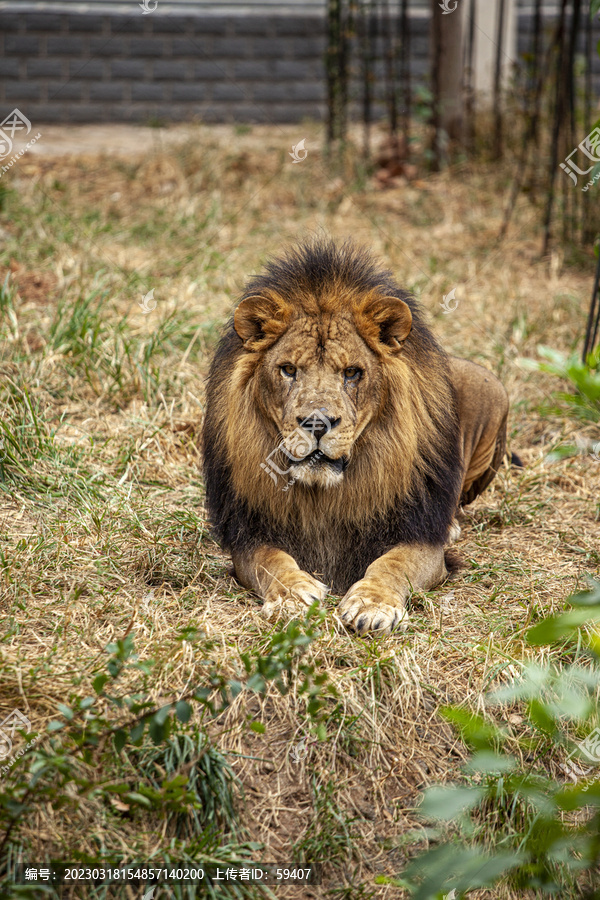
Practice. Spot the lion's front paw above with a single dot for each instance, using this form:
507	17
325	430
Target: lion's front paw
292	595
368	607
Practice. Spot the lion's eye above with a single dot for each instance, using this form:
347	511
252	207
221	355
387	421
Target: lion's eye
352	373
288	370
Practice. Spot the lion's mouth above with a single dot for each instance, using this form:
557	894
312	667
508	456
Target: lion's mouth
317	459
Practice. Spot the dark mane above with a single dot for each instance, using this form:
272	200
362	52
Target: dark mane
304	270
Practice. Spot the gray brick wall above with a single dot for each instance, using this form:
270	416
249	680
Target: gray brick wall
75	66
80	66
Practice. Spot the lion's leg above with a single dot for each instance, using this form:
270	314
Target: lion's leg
276	577
483	411
377	601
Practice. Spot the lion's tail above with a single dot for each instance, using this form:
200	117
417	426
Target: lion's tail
454	561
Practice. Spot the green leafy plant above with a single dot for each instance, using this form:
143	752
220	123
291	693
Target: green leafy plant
117	749
513	818
584	400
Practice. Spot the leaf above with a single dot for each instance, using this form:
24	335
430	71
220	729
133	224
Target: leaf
134	797
474	729
183	711
556	628
121	788
578	796
445	803
533	679
490	763
571	703
591	597
137	731
120	739
564	451
160	727
163	714
236	687
313	706
259	727
55	726
99	682
66	711
540	715
188	633
256	683
449	867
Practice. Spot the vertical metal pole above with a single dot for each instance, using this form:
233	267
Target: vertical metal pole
498	79
404	46
591	332
558	117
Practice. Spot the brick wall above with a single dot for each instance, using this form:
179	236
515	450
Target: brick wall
81	67
75	66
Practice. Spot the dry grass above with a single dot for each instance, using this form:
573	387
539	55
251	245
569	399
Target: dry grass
103	532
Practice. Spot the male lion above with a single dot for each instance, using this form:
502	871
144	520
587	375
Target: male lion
340	439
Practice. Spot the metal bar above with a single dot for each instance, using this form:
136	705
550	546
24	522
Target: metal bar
591	332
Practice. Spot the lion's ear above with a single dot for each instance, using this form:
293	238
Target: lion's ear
387	321
260	319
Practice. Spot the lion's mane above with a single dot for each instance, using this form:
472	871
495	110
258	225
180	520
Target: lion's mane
403	483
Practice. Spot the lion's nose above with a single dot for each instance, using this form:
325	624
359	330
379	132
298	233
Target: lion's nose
318	425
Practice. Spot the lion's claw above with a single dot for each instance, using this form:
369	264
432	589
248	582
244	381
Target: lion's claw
362	610
292	600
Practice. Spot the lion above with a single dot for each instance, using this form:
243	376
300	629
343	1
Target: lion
340	439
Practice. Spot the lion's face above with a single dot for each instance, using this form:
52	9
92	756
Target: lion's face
318	378
321	386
